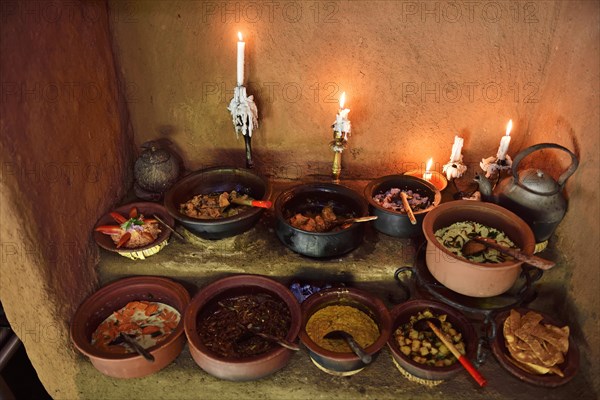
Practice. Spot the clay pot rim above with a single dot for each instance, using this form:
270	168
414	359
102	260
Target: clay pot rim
84	344
527	247
165	234
282	200
466	329
173	208
221	285
355	295
370	188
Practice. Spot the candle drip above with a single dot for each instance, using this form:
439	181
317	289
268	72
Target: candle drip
245	118
454	169
493	165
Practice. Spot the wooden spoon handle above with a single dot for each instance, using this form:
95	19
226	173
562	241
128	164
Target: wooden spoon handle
252	203
462	359
532	260
409	211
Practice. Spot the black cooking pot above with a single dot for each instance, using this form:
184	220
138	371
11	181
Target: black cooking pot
311	198
219	179
394	223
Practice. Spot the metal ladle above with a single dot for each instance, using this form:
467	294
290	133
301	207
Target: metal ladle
356	348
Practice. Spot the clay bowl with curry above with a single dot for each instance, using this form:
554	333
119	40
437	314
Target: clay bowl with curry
354	311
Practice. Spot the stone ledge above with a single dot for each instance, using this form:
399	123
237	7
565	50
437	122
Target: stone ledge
258	251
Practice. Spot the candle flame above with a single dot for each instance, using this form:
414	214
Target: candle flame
342	99
509	127
240	36
428	166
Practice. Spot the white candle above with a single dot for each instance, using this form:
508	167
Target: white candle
342	123
504	142
456	148
240	60
427	175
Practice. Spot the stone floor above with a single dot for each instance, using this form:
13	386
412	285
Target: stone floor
371	267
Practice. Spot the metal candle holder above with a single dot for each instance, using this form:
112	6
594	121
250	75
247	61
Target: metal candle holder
338	145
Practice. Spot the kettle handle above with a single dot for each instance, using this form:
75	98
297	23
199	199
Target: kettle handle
561	179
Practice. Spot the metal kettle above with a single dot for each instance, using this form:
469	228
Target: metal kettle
532	194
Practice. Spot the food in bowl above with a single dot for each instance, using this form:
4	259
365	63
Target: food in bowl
345	318
133	232
536	347
324	220
214	205
454	237
391	200
423	346
146	322
225	327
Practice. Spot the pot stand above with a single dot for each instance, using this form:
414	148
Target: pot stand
522	293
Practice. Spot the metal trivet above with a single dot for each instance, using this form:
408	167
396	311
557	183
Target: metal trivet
522	293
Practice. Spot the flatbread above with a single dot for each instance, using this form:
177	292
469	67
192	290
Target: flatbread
535	347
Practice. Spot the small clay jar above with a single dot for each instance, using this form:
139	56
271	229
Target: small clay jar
155	171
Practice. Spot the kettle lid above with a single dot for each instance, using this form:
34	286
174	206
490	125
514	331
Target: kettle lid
154	153
538	181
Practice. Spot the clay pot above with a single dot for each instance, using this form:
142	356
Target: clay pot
147	209
248	368
343	364
394	223
471	278
401	314
312	198
219	179
96	308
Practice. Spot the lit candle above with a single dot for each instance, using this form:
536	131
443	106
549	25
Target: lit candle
427	175
240	60
504	142
456	148
342	123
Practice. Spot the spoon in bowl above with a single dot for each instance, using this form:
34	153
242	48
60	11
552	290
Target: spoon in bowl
253	331
356	348
434	325
479	244
342	222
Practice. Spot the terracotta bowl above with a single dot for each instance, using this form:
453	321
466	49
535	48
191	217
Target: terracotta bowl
311	198
471	278
96	308
394	223
248	368
569	367
401	314
336	363
147	209
219	179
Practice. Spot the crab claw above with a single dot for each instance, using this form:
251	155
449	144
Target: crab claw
124	239
133	213
118	217
109	229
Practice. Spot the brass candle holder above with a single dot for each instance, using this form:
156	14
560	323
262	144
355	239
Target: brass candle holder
338	145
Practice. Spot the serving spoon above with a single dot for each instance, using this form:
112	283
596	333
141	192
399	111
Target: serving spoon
341	222
434	325
123	337
479	244
254	331
356	348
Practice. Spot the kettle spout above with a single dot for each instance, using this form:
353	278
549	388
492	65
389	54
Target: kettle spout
485	187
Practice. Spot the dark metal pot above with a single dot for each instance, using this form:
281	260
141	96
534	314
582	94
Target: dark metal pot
219	179
394	223
313	197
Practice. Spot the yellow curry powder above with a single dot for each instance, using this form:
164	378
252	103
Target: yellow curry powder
345	318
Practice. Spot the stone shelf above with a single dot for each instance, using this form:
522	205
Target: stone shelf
258	251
